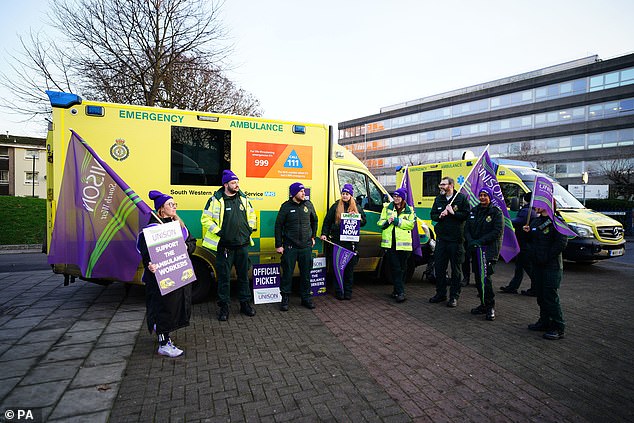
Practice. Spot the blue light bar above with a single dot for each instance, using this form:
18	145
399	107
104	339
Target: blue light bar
63	100
299	129
95	111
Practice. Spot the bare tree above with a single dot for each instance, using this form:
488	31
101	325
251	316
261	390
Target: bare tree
620	171
169	53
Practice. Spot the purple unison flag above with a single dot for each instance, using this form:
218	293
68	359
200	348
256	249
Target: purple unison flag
483	175
98	217
340	258
543	198
406	184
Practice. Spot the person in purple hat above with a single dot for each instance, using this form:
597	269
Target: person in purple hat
228	220
483	233
396	222
295	232
165	313
331	229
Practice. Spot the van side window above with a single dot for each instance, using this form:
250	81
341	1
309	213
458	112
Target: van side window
431	179
199	155
510	191
366	193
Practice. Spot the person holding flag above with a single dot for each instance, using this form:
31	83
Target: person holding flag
483	233
332	229
165	313
397	222
547	239
449	211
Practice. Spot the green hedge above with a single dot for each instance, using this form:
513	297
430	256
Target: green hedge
23	220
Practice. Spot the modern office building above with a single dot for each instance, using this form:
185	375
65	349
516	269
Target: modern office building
570	118
22	166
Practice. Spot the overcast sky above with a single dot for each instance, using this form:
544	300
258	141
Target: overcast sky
331	61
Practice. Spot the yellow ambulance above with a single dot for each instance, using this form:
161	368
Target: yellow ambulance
598	236
183	153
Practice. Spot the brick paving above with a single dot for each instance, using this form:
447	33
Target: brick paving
371	359
81	353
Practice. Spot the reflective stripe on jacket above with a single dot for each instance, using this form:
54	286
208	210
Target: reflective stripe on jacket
402	226
213	213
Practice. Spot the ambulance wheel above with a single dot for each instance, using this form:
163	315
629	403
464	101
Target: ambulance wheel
201	288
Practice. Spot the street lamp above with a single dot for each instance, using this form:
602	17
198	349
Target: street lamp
584	179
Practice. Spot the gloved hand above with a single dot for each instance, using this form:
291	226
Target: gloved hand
474	243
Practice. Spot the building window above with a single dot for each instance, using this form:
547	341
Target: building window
30	154
4	151
30	177
4	176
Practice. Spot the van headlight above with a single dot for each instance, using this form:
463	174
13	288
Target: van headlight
583	231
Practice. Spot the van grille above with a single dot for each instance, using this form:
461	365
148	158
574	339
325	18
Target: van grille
612	233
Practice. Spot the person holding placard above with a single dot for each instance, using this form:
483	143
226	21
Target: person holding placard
165	313
342	226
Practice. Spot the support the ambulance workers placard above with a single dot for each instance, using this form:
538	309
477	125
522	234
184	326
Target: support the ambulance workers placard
169	253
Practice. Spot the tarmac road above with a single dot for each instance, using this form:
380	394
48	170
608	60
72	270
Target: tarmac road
23	261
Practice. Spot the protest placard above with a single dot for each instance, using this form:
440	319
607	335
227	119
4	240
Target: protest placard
350	227
168	252
266	283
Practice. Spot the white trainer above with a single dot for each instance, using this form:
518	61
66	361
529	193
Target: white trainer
169	350
177	350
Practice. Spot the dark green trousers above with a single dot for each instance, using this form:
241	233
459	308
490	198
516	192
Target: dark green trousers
304	259
546	284
448	253
522	263
398	264
226	258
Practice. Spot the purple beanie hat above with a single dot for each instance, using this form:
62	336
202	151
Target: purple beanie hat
295	188
228	176
159	198
487	191
401	192
348	188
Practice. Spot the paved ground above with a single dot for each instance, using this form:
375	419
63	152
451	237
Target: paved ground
81	353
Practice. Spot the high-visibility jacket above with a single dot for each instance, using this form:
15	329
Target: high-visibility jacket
402	226
213	214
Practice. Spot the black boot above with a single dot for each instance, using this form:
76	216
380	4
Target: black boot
223	312
246	309
481	309
490	314
284	303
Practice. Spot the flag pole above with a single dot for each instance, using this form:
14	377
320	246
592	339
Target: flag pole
330	242
530	208
470	172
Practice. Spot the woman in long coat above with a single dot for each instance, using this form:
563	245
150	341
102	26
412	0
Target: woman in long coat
165	313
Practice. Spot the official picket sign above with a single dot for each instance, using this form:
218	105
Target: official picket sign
318	276
350	227
266	283
169	253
